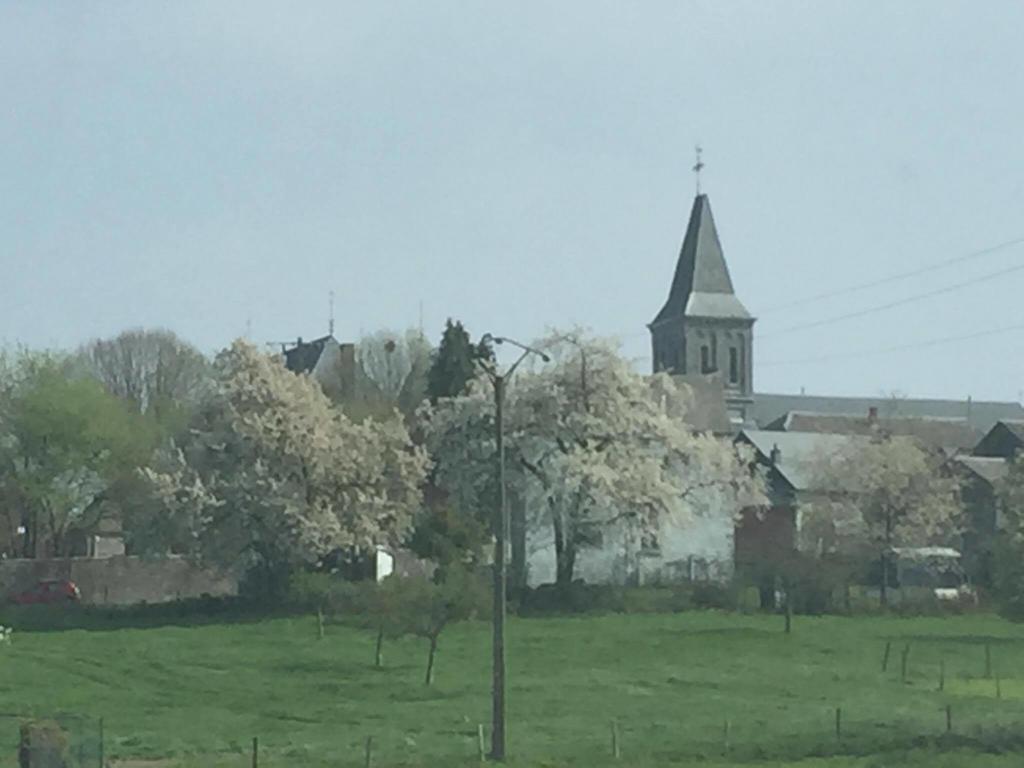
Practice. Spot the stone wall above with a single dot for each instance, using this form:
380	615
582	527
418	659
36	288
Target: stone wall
120	580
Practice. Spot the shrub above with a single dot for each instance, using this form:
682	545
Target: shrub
45	618
712	595
582	598
1008	579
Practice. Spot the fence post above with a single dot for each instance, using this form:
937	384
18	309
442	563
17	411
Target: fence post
949	718
480	747
942	674
885	656
839	723
369	751
999	693
101	745
615	740
255	752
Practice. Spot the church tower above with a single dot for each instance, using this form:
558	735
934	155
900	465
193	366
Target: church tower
703	329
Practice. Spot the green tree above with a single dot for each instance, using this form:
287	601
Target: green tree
1009	550
449	536
455	363
65	445
424	608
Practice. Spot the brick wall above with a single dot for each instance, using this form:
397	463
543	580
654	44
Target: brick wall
120	580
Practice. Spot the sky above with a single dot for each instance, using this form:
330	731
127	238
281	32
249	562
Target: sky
219	168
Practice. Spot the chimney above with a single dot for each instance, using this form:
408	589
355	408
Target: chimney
299	342
872	415
776	455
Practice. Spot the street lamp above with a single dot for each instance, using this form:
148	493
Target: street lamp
500	537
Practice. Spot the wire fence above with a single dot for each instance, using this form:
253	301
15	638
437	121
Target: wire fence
936	697
823	732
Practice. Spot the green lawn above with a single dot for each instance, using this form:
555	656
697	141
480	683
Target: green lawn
197	696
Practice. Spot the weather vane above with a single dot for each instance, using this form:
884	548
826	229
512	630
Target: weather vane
698	167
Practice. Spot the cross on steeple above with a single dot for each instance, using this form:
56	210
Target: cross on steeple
698	167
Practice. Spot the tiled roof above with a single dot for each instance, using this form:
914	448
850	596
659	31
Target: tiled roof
947	433
987	468
980	415
799	452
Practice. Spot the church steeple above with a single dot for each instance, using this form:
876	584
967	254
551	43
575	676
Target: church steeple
703	328
702	286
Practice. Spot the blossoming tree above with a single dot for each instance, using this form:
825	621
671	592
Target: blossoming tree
593	443
273	476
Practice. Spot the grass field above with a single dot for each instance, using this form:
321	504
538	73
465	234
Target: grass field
196	696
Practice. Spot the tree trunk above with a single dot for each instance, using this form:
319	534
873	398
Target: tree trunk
566	565
430	660
27	542
378	660
883	592
563	560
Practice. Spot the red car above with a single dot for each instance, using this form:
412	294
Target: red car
49	592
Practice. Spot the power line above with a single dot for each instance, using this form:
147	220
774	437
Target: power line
898	348
898	302
892	278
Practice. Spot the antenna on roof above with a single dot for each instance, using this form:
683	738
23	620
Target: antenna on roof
330	321
421	318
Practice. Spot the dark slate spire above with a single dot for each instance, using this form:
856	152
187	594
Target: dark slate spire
701	286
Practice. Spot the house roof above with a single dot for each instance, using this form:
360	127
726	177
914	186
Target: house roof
708	412
988	468
1004	439
948	433
1016	426
702	286
303	357
798	452
980	415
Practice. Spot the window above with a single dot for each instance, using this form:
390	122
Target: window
734	365
714	352
705	359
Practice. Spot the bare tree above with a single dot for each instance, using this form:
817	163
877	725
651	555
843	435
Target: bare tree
396	365
149	368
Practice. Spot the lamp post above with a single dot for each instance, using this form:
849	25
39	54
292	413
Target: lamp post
499	381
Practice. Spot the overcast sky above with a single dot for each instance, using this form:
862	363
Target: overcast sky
210	167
